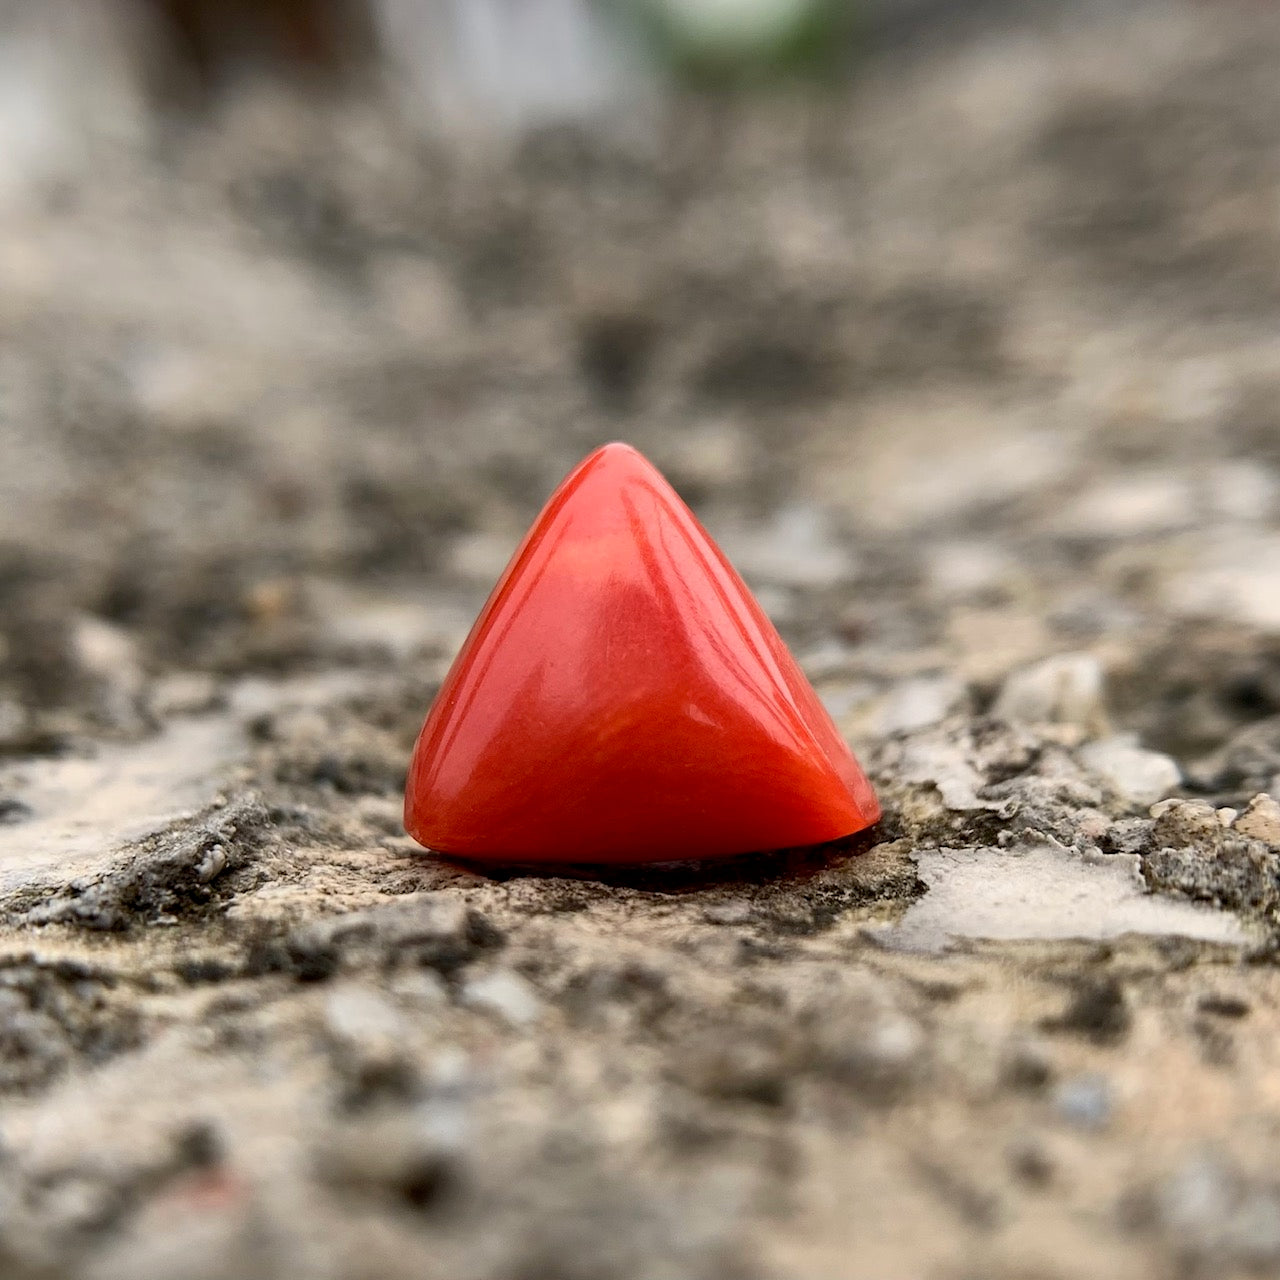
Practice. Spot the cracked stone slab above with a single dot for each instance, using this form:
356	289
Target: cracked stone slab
79	810
1042	892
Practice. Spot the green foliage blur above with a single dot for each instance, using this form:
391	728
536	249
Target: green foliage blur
744	43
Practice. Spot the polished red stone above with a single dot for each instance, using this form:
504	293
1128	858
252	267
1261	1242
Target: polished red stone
622	698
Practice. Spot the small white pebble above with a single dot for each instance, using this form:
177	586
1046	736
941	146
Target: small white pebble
1132	772
735	911
359	1016
1064	689
212	865
506	994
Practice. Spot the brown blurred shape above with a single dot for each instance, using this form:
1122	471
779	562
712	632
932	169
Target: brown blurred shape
205	43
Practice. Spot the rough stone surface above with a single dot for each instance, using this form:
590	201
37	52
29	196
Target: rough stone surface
976	369
1260	821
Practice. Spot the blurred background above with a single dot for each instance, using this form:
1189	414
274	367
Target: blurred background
937	313
958	323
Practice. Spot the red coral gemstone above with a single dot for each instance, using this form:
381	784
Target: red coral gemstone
622	698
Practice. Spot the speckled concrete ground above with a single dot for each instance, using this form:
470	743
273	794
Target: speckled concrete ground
973	373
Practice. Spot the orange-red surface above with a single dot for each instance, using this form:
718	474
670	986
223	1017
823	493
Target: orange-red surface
622	698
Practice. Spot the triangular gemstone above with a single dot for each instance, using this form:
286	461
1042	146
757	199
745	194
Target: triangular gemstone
622	698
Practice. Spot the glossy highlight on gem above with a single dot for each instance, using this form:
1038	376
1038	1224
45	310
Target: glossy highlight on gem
622	698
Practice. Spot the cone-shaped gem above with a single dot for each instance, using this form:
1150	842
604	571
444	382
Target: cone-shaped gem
622	698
